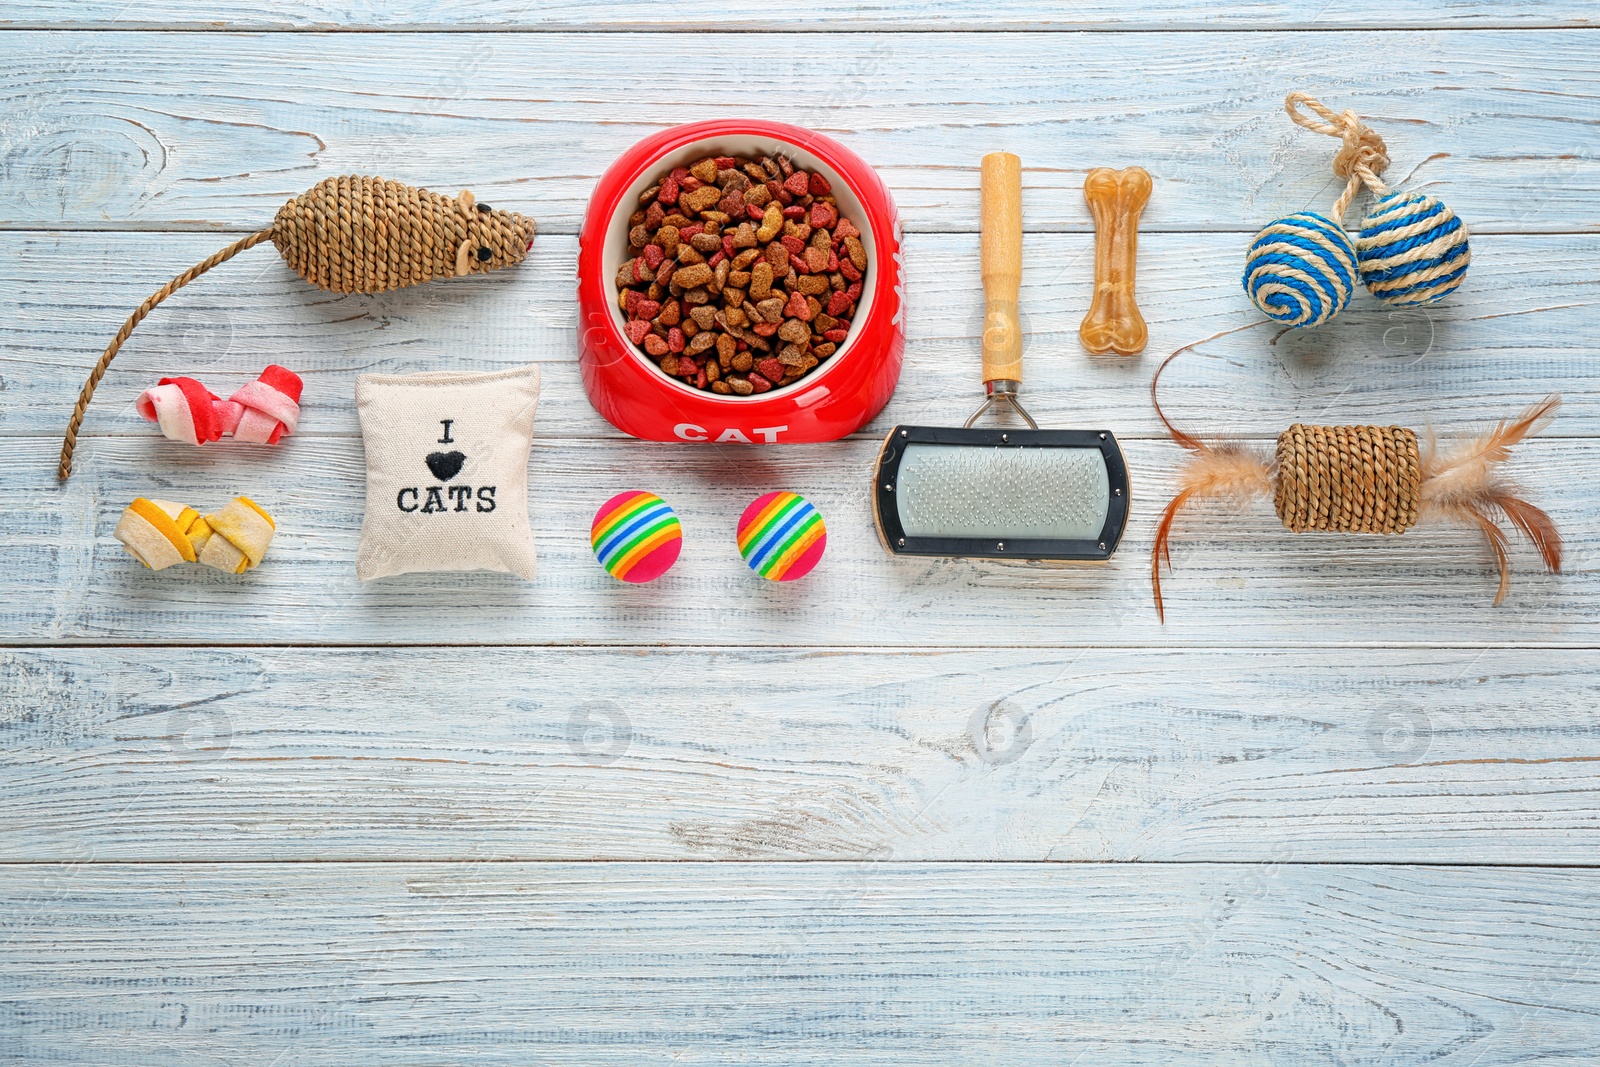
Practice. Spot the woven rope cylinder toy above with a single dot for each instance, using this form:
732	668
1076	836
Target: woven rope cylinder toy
354	234
1365	480
1409	251
1348	479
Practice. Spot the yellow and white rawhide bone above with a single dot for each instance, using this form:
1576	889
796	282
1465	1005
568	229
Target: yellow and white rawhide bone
240	534
159	533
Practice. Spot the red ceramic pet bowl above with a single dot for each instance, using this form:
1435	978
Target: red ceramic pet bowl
835	399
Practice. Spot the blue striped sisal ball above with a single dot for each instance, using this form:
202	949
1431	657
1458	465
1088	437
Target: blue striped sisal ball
1301	269
1412	250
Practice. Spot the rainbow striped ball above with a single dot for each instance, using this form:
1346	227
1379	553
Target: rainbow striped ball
782	536
636	536
1301	269
1412	250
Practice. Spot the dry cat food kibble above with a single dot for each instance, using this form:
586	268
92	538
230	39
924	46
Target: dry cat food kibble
742	274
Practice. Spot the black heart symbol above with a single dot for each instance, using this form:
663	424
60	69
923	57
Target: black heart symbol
445	465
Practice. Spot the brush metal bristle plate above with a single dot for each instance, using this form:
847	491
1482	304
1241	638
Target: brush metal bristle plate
998	491
1001	494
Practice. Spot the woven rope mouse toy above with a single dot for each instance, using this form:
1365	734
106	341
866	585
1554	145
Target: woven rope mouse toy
354	234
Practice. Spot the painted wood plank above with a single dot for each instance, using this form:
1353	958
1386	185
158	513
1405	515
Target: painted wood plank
832	15
597	964
1523	326
155	130
1240	579
1432	756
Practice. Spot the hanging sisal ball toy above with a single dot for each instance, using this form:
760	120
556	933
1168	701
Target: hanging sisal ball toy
355	234
1410	250
1301	269
1366	479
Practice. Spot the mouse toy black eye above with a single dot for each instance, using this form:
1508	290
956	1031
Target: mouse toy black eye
484	255
485	208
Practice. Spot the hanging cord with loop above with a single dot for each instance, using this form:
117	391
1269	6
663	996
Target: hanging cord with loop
1362	157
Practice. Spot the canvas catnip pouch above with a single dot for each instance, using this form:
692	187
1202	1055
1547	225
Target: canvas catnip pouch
447	472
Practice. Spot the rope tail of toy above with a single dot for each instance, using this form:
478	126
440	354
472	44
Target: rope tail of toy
64	470
1365	479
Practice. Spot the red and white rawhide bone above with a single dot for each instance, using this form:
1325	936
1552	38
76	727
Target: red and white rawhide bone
260	412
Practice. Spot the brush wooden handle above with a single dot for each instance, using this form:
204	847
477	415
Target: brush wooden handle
1002	266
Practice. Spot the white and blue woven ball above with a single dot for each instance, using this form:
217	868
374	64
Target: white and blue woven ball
1412	250
1301	269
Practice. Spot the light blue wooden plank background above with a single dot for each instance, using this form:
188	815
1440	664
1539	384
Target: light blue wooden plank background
1337	811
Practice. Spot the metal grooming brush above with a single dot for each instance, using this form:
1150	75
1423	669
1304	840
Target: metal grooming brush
1001	493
